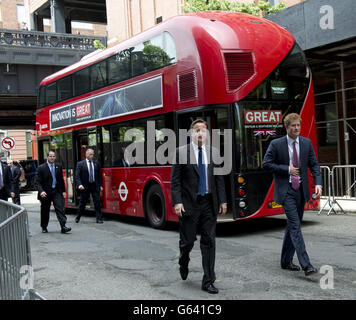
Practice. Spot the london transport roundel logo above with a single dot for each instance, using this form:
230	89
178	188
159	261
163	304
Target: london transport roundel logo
8	143
123	191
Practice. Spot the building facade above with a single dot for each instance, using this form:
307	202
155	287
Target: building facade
127	18
325	31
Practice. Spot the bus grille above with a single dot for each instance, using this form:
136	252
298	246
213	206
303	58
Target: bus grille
187	86
239	68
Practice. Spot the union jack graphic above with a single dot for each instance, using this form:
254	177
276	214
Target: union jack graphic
264	132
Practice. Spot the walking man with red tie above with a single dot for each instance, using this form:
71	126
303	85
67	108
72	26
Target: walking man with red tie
89	182
50	186
289	158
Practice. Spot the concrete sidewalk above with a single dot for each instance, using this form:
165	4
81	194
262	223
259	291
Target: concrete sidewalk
126	259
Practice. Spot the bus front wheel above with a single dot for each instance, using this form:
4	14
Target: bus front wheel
155	207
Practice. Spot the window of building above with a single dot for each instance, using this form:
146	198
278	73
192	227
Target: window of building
274	2
81	25
28	145
21	16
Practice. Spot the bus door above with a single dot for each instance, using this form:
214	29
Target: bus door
43	148
83	140
218	118
69	168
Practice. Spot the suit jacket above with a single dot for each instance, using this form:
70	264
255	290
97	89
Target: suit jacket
44	179
16	175
7	179
276	160
82	174
185	179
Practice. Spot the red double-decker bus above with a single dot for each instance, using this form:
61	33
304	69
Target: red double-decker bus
238	72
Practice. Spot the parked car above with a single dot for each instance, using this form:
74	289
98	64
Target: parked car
30	168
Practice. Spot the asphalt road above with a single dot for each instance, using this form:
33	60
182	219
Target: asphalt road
126	259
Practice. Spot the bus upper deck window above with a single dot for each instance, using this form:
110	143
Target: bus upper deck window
51	93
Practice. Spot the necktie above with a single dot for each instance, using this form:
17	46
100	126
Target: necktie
1	182
53	176
91	173
295	179
201	170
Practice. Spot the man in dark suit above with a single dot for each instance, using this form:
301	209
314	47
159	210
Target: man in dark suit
89	182
197	196
289	158
50	186
6	182
16	175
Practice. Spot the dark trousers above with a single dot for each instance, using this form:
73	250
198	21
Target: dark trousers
293	239
84	197
58	202
200	218
16	199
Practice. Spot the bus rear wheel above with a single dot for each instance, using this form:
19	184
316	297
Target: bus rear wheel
155	208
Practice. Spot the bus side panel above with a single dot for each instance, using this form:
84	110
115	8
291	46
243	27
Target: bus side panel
120	192
308	130
124	190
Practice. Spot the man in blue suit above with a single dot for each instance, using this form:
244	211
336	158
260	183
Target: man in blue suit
289	158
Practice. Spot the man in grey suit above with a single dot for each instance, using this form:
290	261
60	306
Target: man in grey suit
289	158
197	196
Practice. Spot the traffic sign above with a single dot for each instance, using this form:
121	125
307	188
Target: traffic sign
8	143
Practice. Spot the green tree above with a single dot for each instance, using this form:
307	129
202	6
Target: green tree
261	9
98	45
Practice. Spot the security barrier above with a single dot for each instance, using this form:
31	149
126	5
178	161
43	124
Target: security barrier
340	184
16	273
326	178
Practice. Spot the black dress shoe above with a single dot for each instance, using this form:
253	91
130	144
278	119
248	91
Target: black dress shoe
210	289
77	218
310	270
65	229
44	230
184	273
290	266
99	221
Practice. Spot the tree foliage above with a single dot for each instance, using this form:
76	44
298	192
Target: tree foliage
98	45
261	9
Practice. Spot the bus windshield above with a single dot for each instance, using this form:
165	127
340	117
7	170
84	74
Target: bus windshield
259	116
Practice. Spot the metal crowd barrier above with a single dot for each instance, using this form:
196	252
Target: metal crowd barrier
340	183
16	274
